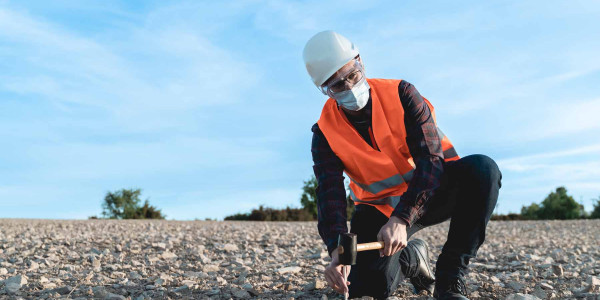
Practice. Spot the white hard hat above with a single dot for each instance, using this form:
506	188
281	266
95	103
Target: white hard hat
325	53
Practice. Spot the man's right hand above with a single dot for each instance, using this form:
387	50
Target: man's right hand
334	275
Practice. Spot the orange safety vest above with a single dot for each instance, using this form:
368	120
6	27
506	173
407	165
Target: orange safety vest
379	175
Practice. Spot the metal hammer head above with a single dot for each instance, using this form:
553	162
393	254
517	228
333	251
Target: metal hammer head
347	248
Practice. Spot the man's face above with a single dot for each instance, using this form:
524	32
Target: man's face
345	78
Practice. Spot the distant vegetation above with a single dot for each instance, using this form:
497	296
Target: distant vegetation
308	212
558	205
126	204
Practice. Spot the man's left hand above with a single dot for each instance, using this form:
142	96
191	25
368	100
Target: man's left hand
393	234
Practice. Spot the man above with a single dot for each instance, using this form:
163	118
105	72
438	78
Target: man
404	175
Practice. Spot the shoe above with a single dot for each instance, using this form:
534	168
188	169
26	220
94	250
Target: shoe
418	270
450	288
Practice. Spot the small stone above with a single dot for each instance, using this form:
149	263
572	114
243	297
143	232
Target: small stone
182	289
546	286
230	247
293	269
161	246
319	284
168	255
96	264
19	279
3	271
210	268
264	277
33	266
519	296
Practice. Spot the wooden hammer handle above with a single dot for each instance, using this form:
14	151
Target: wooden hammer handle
370	246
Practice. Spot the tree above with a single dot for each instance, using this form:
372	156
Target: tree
309	196
596	212
559	205
125	204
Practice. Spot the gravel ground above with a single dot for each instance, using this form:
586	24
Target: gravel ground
49	259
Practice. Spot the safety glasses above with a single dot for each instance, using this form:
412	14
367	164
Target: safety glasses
352	77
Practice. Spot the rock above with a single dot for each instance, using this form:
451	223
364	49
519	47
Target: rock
593	285
519	296
111	296
12	287
516	286
3	271
99	291
557	270
538	292
13	284
242	294
63	290
293	269
315	285
19	279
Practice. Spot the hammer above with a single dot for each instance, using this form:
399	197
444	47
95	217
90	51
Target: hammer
348	248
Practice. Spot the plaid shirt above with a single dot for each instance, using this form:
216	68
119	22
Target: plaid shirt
425	148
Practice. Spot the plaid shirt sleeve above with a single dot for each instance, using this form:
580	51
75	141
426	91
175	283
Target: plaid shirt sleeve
426	149
331	194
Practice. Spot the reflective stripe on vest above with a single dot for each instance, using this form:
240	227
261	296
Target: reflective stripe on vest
391	200
390	182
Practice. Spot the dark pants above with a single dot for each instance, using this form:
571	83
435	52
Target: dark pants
467	195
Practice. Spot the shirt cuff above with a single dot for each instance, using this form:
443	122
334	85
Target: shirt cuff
332	245
405	213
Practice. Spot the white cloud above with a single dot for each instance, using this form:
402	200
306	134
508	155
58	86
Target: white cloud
176	71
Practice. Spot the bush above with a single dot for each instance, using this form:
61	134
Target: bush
509	217
270	214
531	212
125	204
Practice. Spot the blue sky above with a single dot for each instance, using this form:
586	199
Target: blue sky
207	107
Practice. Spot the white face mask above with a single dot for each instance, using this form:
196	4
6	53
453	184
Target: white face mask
354	99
